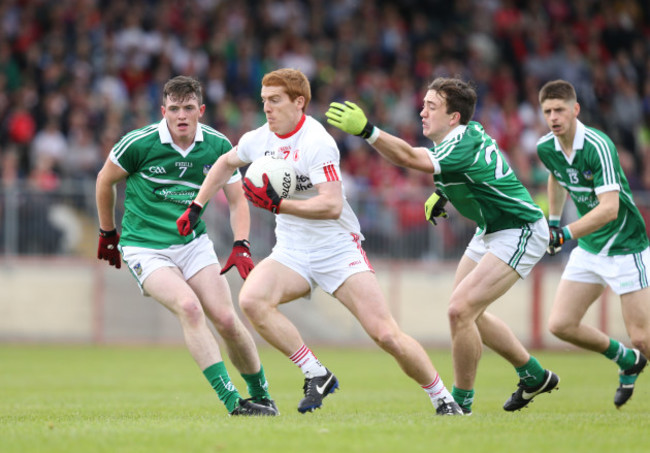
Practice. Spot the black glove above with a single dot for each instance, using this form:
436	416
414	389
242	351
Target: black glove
555	241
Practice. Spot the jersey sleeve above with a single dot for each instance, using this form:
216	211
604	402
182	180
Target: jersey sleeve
434	161
126	154
245	149
453	157
324	165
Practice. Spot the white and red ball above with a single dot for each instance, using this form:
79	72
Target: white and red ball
280	172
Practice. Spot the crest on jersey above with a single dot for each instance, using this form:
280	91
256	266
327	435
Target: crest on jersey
588	175
137	268
206	169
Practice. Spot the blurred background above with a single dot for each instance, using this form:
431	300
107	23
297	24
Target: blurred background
75	75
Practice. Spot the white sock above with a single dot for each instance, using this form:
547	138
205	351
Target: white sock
437	390
308	363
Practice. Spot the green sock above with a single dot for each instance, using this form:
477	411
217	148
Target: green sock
218	377
531	373
464	398
258	386
617	352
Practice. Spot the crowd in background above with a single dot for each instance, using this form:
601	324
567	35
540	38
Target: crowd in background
75	75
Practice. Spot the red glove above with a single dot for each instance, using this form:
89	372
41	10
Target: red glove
189	219
264	197
107	249
240	257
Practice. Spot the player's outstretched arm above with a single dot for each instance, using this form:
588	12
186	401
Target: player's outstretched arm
216	178
350	118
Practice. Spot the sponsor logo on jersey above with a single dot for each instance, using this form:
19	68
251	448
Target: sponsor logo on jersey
303	183
206	169
175	194
157	170
590	200
184	164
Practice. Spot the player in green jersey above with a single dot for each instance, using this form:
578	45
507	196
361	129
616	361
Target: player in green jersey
470	172
612	240
164	165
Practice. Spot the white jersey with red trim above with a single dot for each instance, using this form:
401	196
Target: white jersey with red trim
316	159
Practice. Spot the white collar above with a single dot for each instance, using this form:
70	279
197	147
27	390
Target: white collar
166	137
460	129
578	139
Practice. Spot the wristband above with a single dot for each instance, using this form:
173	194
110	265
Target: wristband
242	243
554	220
107	234
566	231
374	135
366	132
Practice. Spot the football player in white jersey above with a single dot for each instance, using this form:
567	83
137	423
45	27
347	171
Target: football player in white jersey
318	243
163	165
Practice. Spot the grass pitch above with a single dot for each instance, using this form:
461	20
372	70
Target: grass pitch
154	399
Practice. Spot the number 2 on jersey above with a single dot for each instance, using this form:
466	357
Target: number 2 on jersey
500	169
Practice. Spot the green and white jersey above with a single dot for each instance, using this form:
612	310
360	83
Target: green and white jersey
475	177
592	169
163	180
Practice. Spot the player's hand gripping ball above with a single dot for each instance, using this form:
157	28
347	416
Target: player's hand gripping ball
281	175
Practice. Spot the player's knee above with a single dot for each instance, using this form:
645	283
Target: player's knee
387	339
190	311
559	328
458	313
250	305
225	321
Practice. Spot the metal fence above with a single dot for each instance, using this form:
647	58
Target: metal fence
63	222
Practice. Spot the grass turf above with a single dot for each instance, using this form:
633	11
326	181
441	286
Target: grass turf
154	399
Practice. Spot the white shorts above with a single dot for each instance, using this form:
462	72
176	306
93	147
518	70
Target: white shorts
188	258
326	267
623	273
519	248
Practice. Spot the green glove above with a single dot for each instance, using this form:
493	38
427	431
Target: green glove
435	207
349	118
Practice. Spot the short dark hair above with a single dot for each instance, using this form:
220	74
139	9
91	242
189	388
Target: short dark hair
182	88
558	89
294	82
460	96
